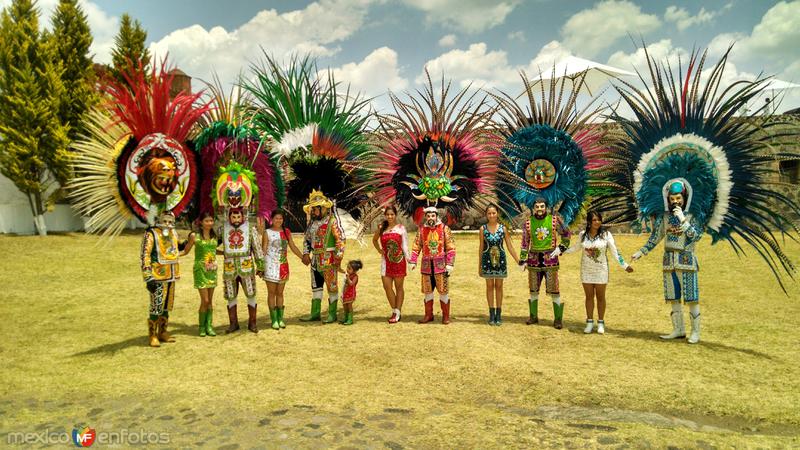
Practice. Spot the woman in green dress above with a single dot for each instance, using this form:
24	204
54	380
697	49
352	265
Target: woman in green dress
205	243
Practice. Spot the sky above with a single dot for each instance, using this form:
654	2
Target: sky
381	45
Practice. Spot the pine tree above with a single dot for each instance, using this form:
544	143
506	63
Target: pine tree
33	141
129	47
71	39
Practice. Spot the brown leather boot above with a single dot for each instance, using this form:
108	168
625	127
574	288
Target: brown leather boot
428	312
233	317
152	332
251	319
445	312
163	334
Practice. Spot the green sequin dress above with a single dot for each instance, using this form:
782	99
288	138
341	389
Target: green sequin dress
205	263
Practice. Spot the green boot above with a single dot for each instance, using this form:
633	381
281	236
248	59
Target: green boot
280	317
209	323
201	320
331	312
316	309
533	305
348	318
273	316
558	315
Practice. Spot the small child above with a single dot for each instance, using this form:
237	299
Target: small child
349	295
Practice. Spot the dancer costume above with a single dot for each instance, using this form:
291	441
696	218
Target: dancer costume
318	137
134	163
436	152
241	242
552	154
224	139
276	263
594	259
696	167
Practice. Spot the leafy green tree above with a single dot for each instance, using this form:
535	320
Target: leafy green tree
70	40
129	47
33	141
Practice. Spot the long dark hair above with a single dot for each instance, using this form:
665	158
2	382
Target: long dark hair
278	212
212	233
589	217
385	223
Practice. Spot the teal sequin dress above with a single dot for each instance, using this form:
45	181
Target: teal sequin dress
493	258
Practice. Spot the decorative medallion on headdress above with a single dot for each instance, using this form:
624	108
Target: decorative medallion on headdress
234	158
135	161
550	150
692	135
436	152
317	198
317	131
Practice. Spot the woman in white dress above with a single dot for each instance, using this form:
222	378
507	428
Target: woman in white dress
276	242
595	243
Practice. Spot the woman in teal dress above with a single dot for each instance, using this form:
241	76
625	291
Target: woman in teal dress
492	264
205	243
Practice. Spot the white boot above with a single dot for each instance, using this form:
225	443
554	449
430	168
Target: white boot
601	327
589	326
678	331
694	338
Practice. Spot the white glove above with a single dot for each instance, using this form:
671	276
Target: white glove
636	256
449	269
678	212
413	266
555	253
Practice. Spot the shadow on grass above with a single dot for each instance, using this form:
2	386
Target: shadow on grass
175	328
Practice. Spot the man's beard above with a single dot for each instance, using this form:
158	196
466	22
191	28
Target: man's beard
540	214
431	222
676	205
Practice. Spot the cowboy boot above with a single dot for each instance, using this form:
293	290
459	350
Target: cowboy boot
445	312
273	317
209	327
163	334
251	319
332	306
678	331
316	309
201	320
694	338
428	312
533	306
558	316
233	318
152	332
281	323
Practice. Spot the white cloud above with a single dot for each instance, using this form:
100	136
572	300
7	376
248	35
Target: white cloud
662	51
775	37
684	20
448	40
374	75
475	65
590	31
470	16
316	29
517	36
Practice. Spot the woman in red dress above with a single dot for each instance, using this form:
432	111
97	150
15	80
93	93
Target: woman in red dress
391	241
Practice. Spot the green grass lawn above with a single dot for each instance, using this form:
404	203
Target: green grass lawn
74	351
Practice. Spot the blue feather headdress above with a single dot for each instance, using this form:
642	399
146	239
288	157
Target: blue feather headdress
688	129
550	150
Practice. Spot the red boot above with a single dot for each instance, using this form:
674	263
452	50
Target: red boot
428	312
445	312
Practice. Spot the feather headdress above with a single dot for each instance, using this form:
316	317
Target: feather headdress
138	139
225	139
437	151
316	131
688	128
550	150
